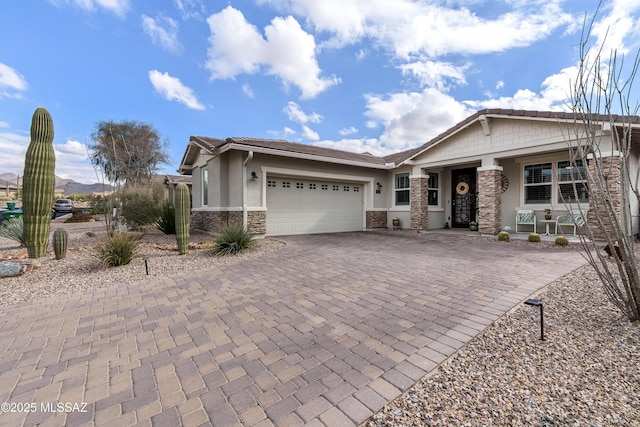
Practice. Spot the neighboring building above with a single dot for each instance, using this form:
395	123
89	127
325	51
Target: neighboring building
496	160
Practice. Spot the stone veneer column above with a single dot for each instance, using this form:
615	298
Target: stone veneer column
489	199
376	219
257	222
612	164
419	202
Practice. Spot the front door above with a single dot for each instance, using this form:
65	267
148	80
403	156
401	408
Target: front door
464	197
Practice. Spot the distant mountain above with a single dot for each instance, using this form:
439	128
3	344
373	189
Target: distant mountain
68	185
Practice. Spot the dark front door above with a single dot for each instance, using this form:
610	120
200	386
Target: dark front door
463	199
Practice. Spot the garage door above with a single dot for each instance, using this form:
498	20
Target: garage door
297	206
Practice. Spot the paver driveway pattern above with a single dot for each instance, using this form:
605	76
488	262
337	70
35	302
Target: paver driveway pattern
324	331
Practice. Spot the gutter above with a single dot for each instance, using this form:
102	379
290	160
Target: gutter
245	190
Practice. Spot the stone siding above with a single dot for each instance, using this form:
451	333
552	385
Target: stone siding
489	201
257	222
419	203
210	221
376	219
596	207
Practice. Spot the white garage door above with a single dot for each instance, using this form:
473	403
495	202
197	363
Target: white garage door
301	206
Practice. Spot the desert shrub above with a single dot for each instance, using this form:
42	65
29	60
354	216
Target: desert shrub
13	229
232	239
504	236
79	216
119	249
166	220
534	237
140	209
562	241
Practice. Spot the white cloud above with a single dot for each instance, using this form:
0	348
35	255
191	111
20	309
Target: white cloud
163	32
296	114
288	52
191	9
172	89
289	131
72	160
499	84
409	118
348	131
309	133
435	74
246	89
4	125
118	7
10	82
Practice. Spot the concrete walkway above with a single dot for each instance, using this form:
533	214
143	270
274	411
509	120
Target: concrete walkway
322	332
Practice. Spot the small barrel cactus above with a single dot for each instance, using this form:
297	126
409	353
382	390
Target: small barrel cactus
562	241
504	236
60	237
534	237
39	178
182	206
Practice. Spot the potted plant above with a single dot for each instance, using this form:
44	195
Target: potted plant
473	226
547	214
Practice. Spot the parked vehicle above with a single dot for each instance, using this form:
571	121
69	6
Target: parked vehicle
63	205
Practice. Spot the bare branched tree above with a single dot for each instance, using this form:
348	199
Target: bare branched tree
604	150
128	152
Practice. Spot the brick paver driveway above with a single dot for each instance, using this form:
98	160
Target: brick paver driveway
324	331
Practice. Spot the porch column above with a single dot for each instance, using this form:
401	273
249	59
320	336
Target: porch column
419	202
612	165
489	199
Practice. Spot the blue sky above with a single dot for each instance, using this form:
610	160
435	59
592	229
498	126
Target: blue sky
361	75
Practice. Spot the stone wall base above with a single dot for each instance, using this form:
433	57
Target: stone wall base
376	219
213	221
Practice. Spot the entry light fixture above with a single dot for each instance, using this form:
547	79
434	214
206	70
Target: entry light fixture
538	303
254	175
379	186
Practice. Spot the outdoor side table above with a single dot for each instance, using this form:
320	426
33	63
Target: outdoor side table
546	222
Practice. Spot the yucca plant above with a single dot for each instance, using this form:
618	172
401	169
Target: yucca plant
119	249
504	236
13	229
232	239
562	241
534	237
166	220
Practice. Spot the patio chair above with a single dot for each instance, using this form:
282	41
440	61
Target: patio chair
572	219
525	217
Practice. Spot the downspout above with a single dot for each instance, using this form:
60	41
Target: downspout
245	190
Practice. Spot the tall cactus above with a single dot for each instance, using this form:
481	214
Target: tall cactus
38	184
60	237
183	217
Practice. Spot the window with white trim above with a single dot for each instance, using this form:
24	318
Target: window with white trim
401	188
572	182
538	181
433	185
205	186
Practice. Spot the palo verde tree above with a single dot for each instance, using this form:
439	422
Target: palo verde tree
604	148
127	152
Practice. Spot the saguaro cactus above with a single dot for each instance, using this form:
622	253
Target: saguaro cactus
38	183
60	237
183	217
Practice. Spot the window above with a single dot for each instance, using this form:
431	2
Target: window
205	187
336	188
324	187
312	186
537	183
345	188
299	185
569	174
271	183
286	184
402	189
356	189
432	189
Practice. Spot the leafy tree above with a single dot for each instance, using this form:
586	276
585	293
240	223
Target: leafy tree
601	137
127	152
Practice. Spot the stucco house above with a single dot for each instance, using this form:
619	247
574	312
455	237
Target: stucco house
481	170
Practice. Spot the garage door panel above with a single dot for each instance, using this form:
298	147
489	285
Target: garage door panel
305	206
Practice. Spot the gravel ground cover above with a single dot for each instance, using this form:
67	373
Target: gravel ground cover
585	373
81	270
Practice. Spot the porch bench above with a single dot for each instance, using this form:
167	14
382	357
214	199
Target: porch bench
572	219
526	217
